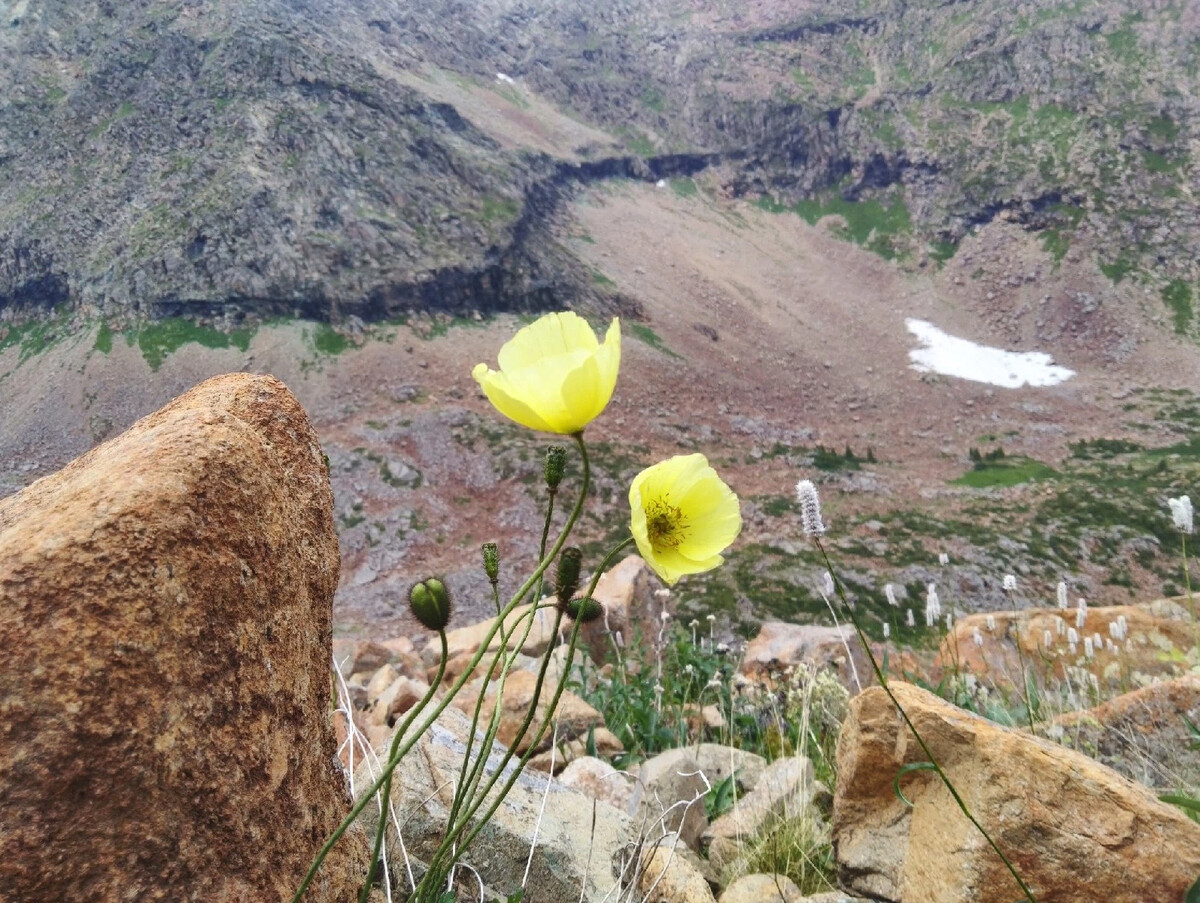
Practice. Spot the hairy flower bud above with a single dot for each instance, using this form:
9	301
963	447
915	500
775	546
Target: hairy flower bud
584	610
491	562
556	465
569	564
430	603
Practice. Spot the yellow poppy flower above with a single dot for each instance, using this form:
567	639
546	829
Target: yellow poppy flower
683	516
554	375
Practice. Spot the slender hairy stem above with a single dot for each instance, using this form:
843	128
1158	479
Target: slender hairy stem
882	678
520	594
386	790
1026	696
516	772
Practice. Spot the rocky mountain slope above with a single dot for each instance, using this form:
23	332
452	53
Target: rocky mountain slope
343	196
220	158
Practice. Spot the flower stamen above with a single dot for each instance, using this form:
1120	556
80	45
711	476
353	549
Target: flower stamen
665	524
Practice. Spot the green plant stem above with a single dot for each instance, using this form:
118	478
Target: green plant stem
882	678
549	712
467	782
1187	580
385	793
520	594
1021	659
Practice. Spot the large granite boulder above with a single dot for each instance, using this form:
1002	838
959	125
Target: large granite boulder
1074	829
165	616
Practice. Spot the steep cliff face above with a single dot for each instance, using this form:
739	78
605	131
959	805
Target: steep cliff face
217	157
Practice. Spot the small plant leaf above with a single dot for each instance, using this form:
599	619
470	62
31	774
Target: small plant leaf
517	897
1193	894
591	743
1183	802
910	767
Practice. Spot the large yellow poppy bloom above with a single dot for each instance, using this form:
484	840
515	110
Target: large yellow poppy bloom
683	516
554	375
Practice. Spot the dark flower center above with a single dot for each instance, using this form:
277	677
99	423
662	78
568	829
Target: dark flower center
664	524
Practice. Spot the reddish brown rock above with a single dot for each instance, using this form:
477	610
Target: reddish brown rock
574	716
631	610
1144	734
1073	829
165	615
1137	643
780	646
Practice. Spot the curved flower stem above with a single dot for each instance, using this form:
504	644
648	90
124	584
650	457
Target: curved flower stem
541	732
520	594
882	678
385	792
370	793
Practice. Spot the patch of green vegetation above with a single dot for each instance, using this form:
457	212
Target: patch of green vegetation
1158	163
1091	449
104	338
636	141
160	338
1118	269
644	333
778	506
828	459
1164	128
328	340
600	279
1056	243
495	208
941	251
1005	471
684	188
1177	295
1123	43
652	98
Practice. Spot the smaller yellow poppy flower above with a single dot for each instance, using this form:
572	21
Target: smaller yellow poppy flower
554	374
683	516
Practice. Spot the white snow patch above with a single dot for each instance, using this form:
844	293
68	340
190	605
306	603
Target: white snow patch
951	356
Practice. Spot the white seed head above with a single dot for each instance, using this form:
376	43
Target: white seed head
943	559
976	636
1080	617
1010	583
949	620
1072	635
932	603
1181	513
810	509
889	593
1047	639
1063	602
1098	641
991	623
887	630
1060	626
1088	650
827	586
909	619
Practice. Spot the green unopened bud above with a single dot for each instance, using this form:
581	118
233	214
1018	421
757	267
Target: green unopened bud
569	564
584	609
556	465
491	562
430	603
